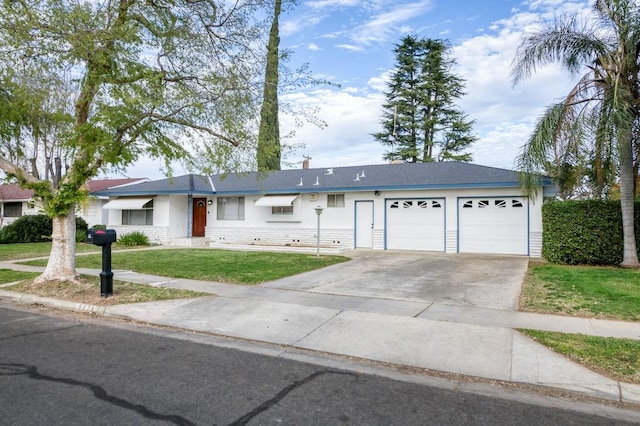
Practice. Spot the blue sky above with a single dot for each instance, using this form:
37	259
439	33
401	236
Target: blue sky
350	42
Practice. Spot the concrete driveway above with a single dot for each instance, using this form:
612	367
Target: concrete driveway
485	281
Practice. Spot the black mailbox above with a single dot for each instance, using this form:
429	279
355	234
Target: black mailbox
101	237
104	238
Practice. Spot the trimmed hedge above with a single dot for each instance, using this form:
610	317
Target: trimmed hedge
33	229
587	232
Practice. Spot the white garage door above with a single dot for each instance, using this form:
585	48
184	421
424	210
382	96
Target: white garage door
493	225
415	224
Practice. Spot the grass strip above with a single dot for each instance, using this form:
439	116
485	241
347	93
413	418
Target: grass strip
618	359
88	291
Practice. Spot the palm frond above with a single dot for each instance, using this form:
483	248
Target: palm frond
566	41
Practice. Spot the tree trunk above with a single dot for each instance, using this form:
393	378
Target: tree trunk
630	255
62	259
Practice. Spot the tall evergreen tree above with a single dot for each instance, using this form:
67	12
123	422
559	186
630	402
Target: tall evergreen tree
269	149
420	119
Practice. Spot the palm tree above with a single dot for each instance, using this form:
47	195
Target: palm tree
600	114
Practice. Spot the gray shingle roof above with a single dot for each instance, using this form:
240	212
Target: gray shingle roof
355	178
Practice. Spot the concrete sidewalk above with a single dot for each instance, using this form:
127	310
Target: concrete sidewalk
456	339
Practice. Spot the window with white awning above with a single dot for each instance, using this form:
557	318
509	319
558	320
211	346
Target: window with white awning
276	200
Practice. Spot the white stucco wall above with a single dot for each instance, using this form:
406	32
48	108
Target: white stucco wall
337	224
91	211
177	219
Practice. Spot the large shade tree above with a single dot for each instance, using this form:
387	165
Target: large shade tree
144	78
600	115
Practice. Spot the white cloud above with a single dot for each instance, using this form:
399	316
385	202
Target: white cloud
505	115
321	4
381	26
351	115
314	47
350	47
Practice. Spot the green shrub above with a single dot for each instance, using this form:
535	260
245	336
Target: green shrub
35	229
27	229
587	232
98	227
135	238
81	225
81	236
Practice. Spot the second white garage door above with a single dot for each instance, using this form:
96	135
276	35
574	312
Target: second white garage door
493	225
415	224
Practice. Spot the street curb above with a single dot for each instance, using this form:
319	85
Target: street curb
627	393
55	303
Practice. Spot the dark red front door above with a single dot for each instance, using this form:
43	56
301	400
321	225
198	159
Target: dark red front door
199	217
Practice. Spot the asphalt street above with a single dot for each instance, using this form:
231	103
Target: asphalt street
68	369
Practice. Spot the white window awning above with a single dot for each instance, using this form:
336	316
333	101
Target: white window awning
276	200
126	203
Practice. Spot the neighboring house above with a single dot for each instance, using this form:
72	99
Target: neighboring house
442	206
15	202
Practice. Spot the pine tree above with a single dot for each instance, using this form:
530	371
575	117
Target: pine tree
420	119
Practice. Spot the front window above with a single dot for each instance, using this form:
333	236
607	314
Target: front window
13	209
279	210
230	208
335	200
142	216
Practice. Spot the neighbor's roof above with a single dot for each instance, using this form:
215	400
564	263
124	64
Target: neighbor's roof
436	175
187	184
102	184
10	191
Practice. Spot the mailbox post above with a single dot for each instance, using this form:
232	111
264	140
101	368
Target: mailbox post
104	238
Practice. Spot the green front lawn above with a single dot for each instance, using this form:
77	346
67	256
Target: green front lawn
211	265
29	250
588	291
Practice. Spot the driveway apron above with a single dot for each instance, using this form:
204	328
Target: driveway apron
492	282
